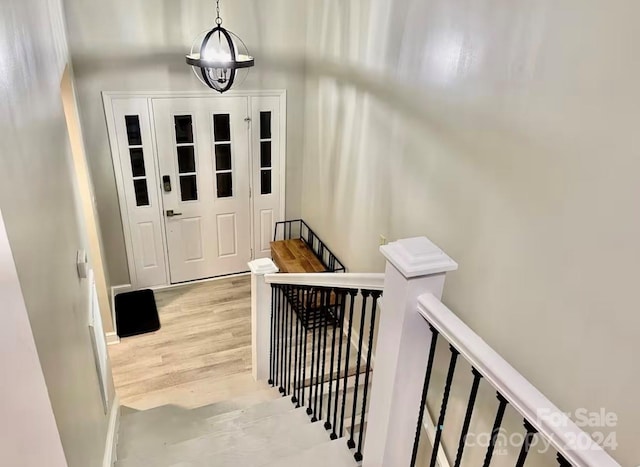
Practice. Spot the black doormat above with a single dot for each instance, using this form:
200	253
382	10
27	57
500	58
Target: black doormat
136	313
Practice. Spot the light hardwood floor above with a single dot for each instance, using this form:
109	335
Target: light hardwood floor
200	355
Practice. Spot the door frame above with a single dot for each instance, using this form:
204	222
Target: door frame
108	98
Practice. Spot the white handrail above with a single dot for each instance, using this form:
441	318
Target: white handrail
564	435
369	281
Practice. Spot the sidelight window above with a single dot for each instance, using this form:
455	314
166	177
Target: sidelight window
136	157
265	153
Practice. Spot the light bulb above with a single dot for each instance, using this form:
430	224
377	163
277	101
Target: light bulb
215	55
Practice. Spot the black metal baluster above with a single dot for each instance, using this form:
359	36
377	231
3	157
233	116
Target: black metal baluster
365	295
290	344
305	331
425	390
325	323
352	294
272	334
303	347
443	406
285	342
296	361
374	298
496	430
283	300
285	327
276	342
298	371
317	326
562	461
524	450
334	307
285	320
310	304
467	417
300	381
340	311
303	337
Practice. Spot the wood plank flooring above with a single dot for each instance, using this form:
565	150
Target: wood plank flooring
200	355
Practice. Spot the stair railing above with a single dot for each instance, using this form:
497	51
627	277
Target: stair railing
321	332
403	308
414	325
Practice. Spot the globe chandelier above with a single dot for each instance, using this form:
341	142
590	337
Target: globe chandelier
218	55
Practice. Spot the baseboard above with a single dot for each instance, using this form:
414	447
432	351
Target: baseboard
112	434
115	290
112	338
199	281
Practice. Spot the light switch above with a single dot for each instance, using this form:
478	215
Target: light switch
82	264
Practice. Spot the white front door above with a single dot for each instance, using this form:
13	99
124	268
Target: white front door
203	159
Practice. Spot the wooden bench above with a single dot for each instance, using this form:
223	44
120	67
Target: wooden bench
295	256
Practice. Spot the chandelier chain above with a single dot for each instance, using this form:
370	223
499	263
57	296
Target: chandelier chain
218	18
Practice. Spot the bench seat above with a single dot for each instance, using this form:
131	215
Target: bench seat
295	256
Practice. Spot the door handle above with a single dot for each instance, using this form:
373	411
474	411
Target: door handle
170	213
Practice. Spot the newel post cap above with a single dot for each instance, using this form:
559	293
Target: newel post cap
418	256
263	266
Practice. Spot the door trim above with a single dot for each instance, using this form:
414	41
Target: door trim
108	97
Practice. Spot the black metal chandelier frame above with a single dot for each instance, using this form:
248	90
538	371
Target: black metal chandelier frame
207	67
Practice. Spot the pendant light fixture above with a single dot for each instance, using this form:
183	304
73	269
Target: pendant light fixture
217	55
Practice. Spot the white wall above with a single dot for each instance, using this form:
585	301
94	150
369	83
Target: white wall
43	218
139	45
504	131
26	416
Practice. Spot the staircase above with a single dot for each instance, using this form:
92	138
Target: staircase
262	429
326	393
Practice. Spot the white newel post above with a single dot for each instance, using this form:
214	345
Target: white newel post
260	317
414	266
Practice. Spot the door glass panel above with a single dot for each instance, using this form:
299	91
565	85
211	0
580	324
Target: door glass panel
133	130
265	182
184	129
223	156
221	127
225	185
223	163
265	154
142	195
188	188
137	162
265	125
186	159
